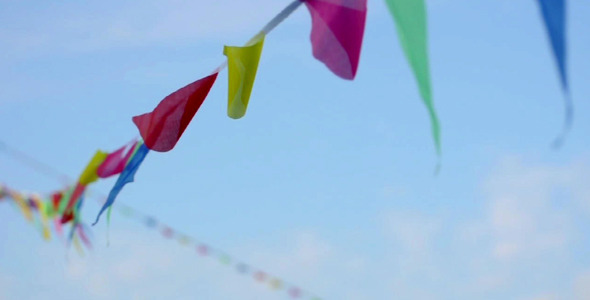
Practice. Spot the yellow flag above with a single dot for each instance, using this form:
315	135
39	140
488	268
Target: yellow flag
23	205
42	210
242	63
89	175
44	220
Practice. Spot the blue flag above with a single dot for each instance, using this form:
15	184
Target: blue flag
555	21
125	177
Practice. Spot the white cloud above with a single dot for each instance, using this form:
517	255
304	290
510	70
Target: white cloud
525	215
413	232
520	244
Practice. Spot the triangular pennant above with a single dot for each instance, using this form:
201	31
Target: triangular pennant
21	202
89	174
410	20
337	33
242	65
42	223
161	129
125	177
554	16
115	162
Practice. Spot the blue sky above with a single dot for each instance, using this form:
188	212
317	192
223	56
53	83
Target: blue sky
327	183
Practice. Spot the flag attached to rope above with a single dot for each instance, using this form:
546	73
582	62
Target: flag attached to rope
89	175
554	16
410	20
337	31
115	162
242	63
125	177
161	129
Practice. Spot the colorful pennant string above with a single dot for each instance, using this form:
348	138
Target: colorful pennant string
38	211
78	236
78	231
205	250
336	36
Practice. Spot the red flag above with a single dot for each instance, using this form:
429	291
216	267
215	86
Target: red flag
337	31
161	129
76	194
56	200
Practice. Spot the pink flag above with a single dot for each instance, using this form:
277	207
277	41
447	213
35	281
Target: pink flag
337	30
116	161
161	129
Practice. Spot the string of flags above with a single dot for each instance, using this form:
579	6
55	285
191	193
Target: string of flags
336	38
40	211
207	251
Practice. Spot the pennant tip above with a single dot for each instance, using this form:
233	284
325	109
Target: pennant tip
235	116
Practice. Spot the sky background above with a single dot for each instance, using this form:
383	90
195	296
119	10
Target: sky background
325	182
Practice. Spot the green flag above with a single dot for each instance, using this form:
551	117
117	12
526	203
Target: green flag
410	20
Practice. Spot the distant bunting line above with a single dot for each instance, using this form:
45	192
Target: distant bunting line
201	248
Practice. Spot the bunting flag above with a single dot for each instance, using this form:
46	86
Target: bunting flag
242	66
89	174
410	20
69	202
161	129
42	222
21	202
125	177
78	236
337	33
115	162
53	208
554	15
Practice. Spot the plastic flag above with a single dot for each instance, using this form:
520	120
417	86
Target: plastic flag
410	20
162	128
242	65
337	33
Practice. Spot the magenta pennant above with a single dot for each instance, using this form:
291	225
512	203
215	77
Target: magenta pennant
116	161
337	31
161	129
